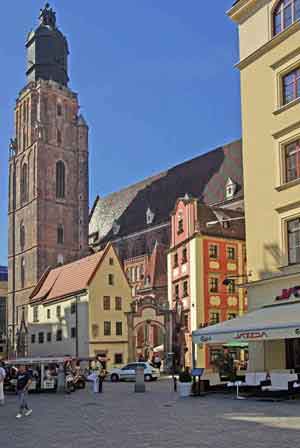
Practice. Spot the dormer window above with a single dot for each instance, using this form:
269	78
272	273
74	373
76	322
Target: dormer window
285	13
115	228
180	223
230	189
149	216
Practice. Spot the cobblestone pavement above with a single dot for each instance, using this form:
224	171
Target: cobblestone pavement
158	418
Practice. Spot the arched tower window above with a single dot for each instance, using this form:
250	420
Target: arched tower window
24	183
22	272
60	179
60	234
22	236
285	13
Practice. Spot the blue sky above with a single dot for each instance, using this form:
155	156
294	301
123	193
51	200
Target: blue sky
156	83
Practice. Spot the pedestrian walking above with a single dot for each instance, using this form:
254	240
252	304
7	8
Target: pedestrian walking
2	378
23	383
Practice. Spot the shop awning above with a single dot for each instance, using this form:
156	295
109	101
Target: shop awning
270	322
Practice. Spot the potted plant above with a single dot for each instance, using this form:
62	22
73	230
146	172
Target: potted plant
185	382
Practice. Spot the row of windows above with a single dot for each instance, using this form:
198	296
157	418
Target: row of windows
183	258
135	273
58	312
107	329
60	182
214	252
22	235
185	290
107	303
214	317
42	337
214	285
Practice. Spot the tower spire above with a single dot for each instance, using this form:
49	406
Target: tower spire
47	16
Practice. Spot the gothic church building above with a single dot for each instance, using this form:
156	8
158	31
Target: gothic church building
48	170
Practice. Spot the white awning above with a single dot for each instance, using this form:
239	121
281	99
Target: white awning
270	322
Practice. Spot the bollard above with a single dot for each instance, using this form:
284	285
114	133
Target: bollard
139	380
175	383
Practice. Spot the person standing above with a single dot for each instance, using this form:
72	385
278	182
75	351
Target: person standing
102	375
2	378
23	382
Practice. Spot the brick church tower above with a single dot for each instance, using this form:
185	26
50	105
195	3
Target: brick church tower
48	170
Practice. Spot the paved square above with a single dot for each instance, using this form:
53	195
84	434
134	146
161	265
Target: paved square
157	418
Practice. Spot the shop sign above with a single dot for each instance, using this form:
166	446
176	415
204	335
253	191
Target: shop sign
205	338
286	294
251	335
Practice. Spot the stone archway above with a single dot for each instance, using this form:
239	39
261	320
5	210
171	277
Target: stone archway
149	325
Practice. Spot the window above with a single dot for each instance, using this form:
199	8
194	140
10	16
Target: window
22	272
48	313
59	110
41	338
286	13
107	328
119	329
213	284
118	358
293	228
49	336
231	286
180	223
186	320
291	86
175	265
24	183
292	161
58	311
213	251
111	279
58	136
59	335
111	261
73	332
118	303
184	255
33	339
106	303
214	318
73	307
176	292
22	236
35	314
185	289
231	316
95	330
60	234
231	253
60	179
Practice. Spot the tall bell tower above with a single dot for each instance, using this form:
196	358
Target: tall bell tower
48	170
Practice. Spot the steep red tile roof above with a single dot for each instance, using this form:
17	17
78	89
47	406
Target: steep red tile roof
68	279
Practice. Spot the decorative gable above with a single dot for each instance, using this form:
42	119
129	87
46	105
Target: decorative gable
230	189
149	216
115	228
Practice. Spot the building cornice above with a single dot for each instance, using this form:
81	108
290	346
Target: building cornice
276	40
274	278
240	9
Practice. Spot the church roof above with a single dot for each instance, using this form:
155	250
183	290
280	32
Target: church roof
203	177
68	279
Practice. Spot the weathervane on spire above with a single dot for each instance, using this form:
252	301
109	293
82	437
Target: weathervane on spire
48	16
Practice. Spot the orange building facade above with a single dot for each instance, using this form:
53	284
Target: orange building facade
206	262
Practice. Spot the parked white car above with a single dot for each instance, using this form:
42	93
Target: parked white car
128	372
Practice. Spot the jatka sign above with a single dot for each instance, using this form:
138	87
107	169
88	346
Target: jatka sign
287	293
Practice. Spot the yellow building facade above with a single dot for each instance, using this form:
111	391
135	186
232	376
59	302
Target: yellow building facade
80	309
269	36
